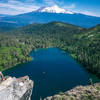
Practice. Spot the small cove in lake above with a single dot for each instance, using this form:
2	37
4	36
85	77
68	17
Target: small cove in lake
52	71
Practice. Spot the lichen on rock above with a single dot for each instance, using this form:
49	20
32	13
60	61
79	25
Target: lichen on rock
90	92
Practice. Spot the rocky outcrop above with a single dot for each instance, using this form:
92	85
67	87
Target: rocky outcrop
91	92
16	88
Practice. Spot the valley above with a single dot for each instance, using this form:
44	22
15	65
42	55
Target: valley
82	44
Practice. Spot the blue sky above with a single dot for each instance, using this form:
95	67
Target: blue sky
14	7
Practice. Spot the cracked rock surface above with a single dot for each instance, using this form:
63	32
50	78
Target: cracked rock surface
16	88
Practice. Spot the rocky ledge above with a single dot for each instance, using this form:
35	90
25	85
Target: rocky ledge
91	92
16	88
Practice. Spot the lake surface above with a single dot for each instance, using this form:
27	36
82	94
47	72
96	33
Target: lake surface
53	71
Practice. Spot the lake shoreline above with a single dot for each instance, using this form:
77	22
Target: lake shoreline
64	51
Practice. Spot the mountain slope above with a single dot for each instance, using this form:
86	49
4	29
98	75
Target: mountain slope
48	14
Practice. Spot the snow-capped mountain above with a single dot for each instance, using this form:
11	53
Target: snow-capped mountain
53	13
54	9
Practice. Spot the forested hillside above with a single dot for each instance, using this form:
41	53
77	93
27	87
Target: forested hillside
15	45
12	51
83	44
87	49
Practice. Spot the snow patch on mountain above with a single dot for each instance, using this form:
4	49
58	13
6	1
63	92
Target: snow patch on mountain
54	9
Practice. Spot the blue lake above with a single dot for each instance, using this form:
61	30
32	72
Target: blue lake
52	71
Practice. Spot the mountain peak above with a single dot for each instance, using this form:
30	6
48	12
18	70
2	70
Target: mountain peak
54	9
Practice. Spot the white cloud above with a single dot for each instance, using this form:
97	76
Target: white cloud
89	13
53	2
19	8
14	7
71	6
49	2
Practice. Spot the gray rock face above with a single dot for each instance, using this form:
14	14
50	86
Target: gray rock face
16	88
